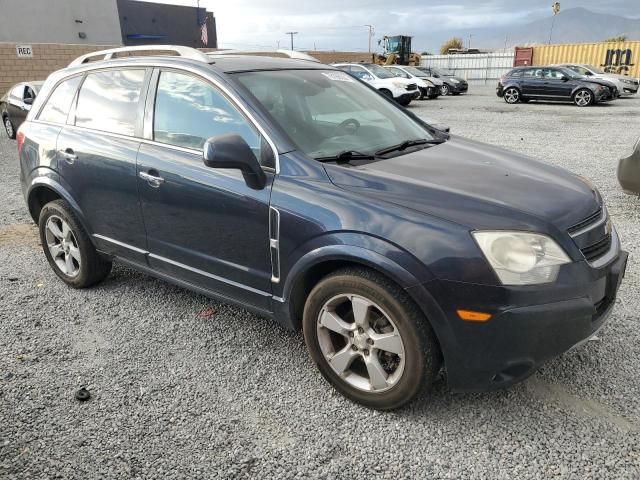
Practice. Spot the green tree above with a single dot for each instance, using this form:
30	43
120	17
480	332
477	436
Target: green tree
454	42
619	38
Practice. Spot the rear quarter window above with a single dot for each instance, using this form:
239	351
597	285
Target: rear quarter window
515	74
57	107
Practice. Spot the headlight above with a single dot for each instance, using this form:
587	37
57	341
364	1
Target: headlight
624	80
398	84
428	83
453	80
521	258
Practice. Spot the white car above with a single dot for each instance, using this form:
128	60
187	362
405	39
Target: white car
626	85
400	89
426	87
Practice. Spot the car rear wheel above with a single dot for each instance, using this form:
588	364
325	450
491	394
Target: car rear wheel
67	247
9	128
369	340
512	95
583	97
444	89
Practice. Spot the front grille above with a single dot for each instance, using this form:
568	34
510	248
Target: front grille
586	222
598	249
412	86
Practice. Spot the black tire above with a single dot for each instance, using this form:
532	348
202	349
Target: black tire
583	97
404	103
421	352
92	267
9	128
512	95
387	93
445	89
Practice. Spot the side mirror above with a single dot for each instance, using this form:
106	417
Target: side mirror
367	77
565	78
588	73
28	101
232	151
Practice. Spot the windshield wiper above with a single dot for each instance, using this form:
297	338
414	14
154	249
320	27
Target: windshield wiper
345	156
409	143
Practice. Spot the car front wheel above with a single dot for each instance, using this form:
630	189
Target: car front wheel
369	340
512	95
444	89
583	98
8	127
67	247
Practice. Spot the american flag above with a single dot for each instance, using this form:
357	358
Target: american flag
204	34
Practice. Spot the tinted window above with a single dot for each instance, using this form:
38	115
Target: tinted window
188	111
57	107
108	101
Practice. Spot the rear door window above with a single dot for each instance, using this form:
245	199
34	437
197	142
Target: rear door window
109	100
59	103
189	110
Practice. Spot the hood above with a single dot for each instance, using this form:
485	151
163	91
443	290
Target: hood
598	81
473	184
436	81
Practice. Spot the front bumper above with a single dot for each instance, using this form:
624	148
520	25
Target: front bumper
530	325
460	87
429	92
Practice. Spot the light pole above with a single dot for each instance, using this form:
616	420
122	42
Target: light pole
292	34
469	47
371	32
555	8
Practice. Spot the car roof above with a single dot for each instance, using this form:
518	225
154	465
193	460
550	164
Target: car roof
252	63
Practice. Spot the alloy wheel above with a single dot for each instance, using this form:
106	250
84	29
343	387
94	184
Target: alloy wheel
583	98
511	95
8	127
63	246
444	89
361	343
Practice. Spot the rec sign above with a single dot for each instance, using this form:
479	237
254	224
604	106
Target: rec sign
24	51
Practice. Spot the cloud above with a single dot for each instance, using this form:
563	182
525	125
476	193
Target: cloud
339	25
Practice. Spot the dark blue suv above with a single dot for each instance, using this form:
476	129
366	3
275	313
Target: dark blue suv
300	193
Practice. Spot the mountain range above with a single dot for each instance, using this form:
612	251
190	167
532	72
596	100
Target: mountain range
574	25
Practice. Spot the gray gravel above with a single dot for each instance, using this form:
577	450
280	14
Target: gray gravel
183	386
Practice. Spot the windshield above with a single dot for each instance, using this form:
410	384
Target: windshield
380	72
327	112
570	73
594	69
415	72
443	73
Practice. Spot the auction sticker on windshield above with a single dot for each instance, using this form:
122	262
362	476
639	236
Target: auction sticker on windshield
338	76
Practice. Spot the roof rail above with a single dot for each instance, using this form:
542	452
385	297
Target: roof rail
185	52
289	53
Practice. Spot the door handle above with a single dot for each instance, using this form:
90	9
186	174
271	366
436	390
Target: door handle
68	155
152	178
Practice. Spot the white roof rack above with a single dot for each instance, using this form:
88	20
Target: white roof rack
289	53
185	52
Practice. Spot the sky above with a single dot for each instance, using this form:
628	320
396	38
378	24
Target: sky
339	24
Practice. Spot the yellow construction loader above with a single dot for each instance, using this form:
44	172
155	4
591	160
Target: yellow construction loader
397	50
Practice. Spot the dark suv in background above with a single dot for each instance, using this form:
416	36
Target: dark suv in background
303	194
553	83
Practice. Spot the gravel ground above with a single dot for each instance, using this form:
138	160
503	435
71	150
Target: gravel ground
183	386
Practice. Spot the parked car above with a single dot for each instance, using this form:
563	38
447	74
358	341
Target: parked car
625	85
15	105
426	87
393	246
400	89
452	85
629	171
553	83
